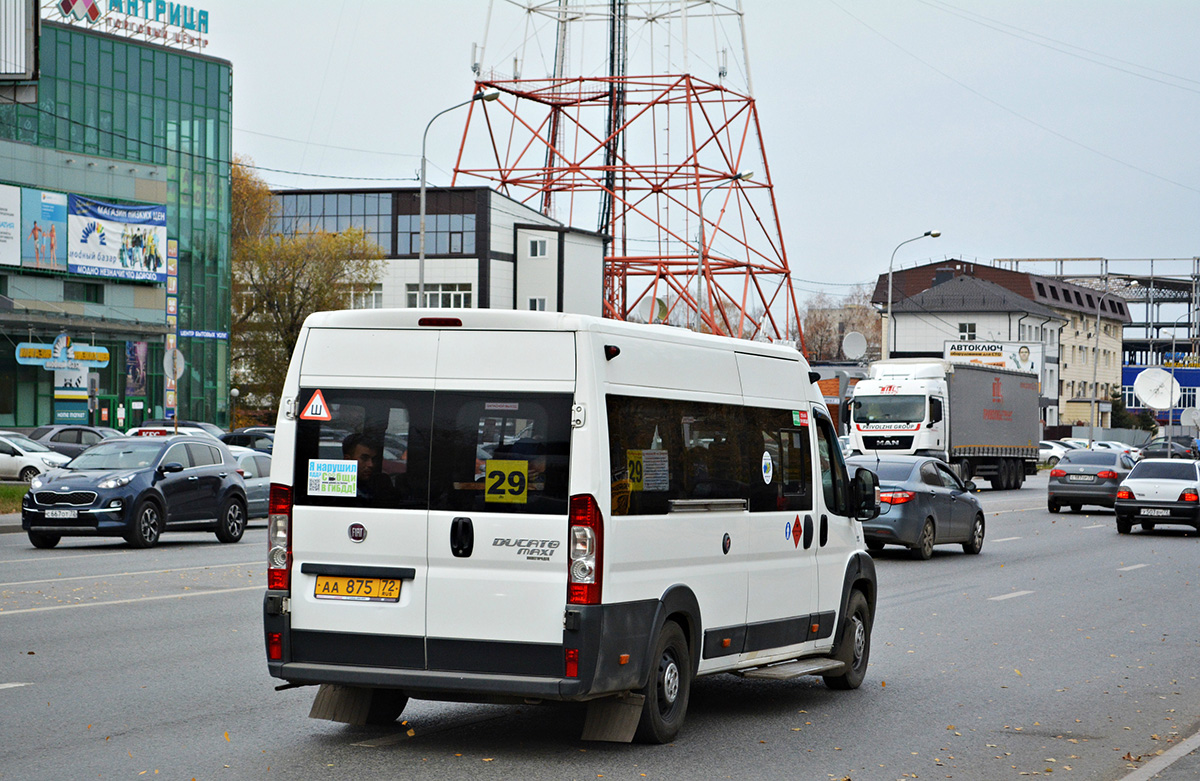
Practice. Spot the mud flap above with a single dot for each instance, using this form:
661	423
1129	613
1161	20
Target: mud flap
613	719
347	704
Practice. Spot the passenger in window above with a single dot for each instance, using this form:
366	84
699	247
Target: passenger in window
374	487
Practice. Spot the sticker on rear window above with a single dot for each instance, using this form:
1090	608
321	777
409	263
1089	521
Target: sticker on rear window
316	409
649	470
502	406
332	478
768	467
507	481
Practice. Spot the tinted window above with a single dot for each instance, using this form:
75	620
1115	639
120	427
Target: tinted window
89	437
177	453
887	471
1164	470
834	479
501	452
930	476
661	450
38	433
949	479
133	454
1089	458
374	452
70	435
203	455
247	465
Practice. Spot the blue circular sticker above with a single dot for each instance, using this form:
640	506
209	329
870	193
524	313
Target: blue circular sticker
768	467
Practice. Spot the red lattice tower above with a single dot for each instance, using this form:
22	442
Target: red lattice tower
662	159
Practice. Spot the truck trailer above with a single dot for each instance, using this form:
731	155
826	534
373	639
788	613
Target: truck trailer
981	420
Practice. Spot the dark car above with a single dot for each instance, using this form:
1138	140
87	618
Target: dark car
71	440
137	488
1159	491
255	440
922	503
1086	477
1176	447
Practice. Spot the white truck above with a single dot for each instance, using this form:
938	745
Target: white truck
982	420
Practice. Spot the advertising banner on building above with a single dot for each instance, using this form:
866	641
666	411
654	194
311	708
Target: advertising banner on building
117	241
10	225
135	368
43	229
1014	356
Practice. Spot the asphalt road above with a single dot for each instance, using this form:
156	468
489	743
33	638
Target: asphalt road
1063	649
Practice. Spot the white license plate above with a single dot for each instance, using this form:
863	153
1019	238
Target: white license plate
62	513
1154	511
1080	478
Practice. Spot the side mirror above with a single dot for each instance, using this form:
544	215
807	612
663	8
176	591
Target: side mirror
864	494
971	487
173	466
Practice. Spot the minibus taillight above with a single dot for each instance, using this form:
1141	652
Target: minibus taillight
274	646
585	542
279	538
571	669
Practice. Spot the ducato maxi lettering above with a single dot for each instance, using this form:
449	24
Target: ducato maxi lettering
534	550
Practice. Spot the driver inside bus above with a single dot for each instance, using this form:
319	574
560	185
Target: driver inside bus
373	486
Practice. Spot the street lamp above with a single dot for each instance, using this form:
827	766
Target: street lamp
743	176
233	397
887	333
421	254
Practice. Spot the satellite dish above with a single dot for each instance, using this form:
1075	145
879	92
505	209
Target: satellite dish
1190	417
652	310
1157	389
854	345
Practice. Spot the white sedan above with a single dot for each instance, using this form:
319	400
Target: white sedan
1051	451
23	459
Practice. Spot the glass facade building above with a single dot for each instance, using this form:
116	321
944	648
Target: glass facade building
124	122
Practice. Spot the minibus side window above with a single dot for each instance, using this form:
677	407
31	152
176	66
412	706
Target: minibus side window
784	482
372	452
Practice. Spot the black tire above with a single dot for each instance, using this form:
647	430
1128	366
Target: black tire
1077	508
668	688
1052	506
1147	527
854	650
231	524
923	550
386	706
1052	460
147	525
28	473
874	546
1124	526
974	545
41	540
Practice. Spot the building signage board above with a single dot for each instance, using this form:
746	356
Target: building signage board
70	362
116	241
10	225
43	229
1014	356
159	21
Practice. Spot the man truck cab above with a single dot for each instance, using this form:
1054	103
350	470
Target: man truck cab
509	506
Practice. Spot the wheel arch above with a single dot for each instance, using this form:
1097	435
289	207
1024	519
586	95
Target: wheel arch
860	576
679	604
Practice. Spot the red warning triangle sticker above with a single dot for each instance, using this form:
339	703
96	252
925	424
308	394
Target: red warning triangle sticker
316	409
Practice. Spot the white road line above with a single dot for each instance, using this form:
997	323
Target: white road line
4	613
1160	763
1009	595
1096	526
13	685
126	574
1131	567
1006	539
1022	510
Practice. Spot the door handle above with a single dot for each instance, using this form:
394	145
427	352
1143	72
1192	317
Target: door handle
462	537
824	531
193	478
808	532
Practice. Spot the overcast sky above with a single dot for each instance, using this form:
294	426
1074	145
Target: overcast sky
1019	129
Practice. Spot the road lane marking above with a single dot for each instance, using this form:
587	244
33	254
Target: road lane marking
13	685
1095	526
1010	595
1022	510
1131	567
126	574
1154	767
1006	539
130	601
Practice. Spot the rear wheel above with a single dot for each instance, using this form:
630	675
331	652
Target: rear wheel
41	540
668	688
1052	506
1124	526
1052	460
923	550
975	544
854	650
386	706
231	525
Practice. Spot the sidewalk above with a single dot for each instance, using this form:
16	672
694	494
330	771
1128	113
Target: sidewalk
10	523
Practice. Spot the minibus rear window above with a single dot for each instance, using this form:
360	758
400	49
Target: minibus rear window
501	452
372	452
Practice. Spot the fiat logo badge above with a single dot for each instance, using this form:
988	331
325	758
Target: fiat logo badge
357	532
